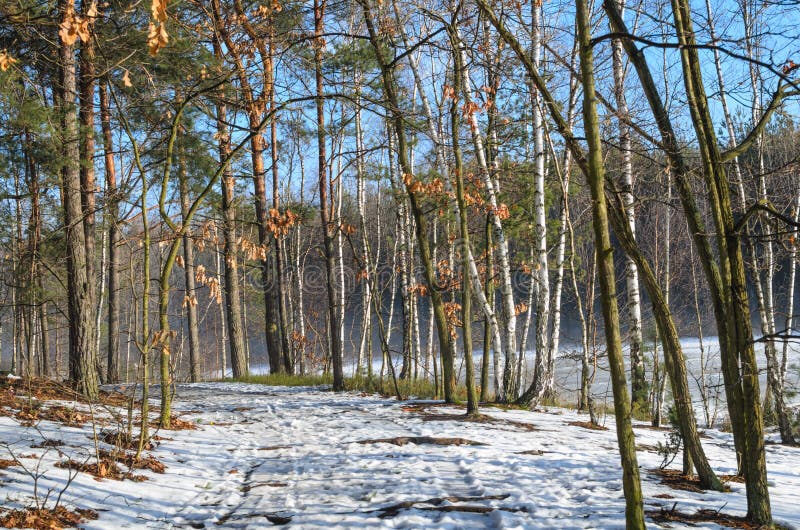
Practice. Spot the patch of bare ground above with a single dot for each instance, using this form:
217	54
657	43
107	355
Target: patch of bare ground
105	468
108	466
5	463
251	486
425	412
479	418
131	461
421	440
587	425
46	519
532	452
124	440
175	424
438	504
30	403
68	416
48	443
48	390
273	518
704	515
678	481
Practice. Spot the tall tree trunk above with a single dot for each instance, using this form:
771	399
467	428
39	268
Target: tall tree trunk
268	264
487	325
279	287
328	231
766	300
112	216
463	212
86	84
593	168
563	232
542	378
633	305
703	380
32	282
101	299
299	264
366	293
491	183
145	344
790	291
190	298
659	386
558	284
726	277
272	284
233	307
727	280
634	513
337	196
585	396
45	341
673	353
80	284
406	286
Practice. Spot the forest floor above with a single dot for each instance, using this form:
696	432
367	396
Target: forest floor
308	458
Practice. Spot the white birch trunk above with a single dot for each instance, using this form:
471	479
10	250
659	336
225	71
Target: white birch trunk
633	303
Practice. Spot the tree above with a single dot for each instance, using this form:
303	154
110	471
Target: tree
421	226
328	230
80	286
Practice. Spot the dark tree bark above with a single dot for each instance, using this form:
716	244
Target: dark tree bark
328	231
463	213
595	176
724	269
288	362
80	284
86	85
233	308
190	301
673	352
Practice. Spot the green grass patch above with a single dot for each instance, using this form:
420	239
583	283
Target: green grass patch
409	388
417	388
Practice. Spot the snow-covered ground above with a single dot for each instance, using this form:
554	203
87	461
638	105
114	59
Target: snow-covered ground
265	455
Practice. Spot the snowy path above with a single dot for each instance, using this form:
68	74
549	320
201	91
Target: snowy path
265	456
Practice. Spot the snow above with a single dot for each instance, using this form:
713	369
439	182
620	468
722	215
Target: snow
294	452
